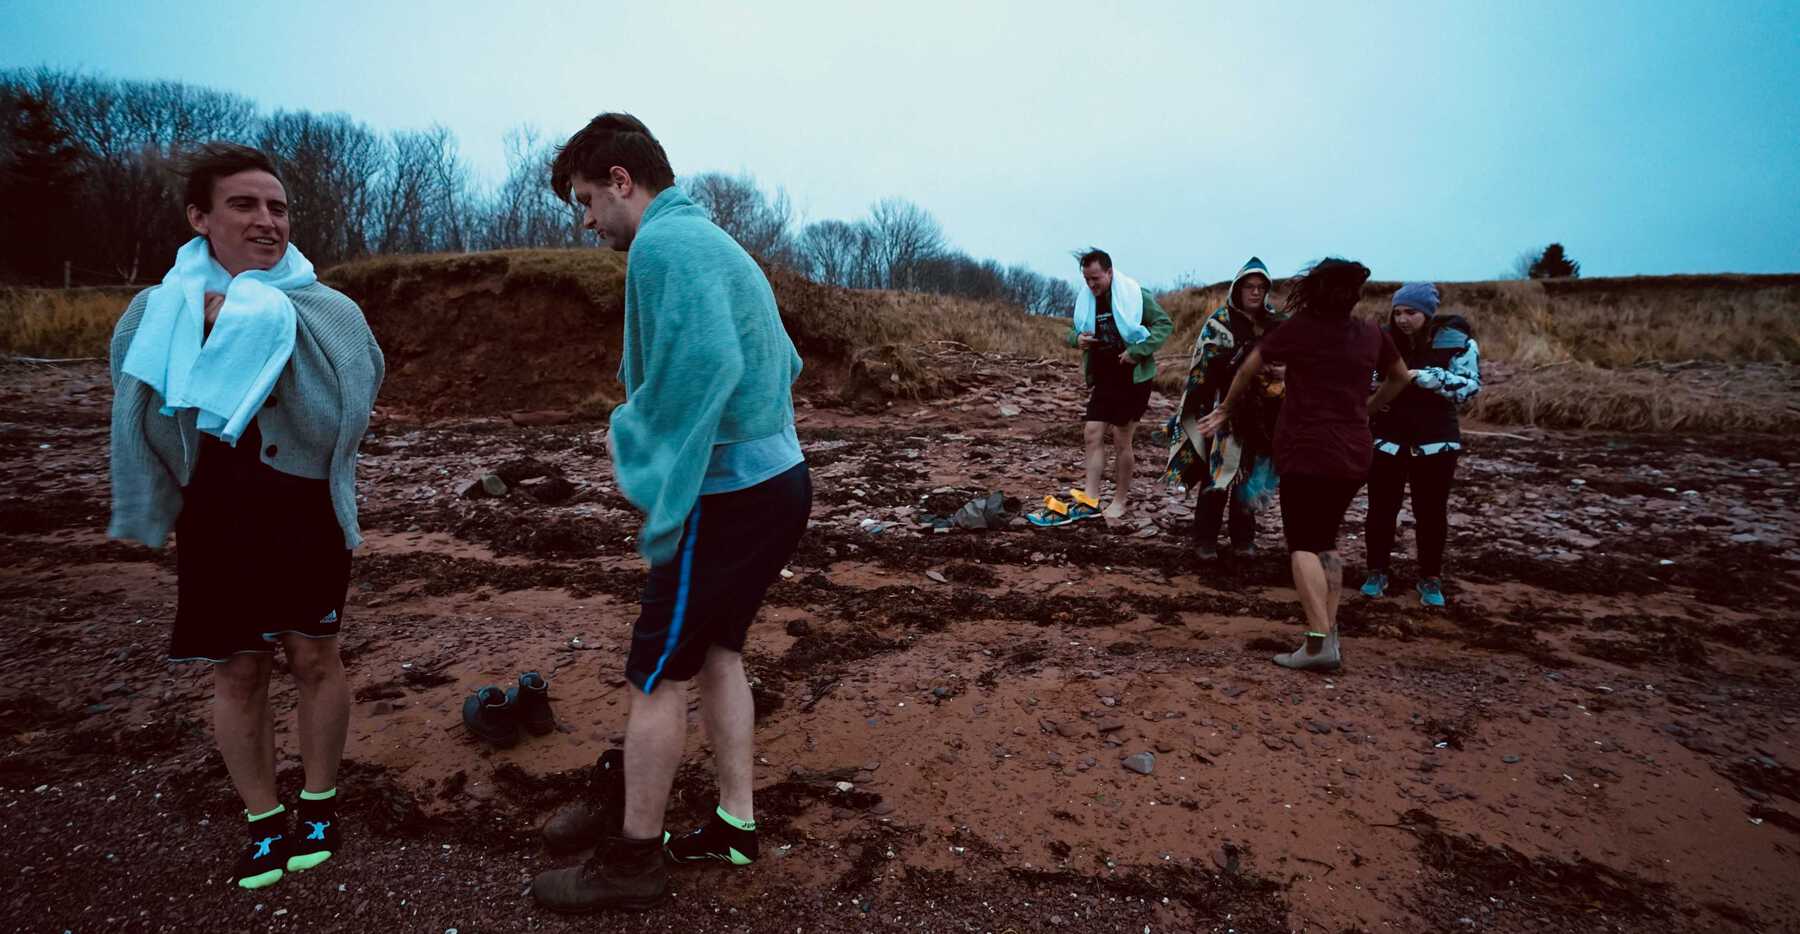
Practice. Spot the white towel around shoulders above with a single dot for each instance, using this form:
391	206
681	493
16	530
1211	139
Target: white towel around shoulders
1127	309
226	375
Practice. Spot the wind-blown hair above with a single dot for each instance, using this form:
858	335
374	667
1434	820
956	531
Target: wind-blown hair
1094	254
202	167
1328	290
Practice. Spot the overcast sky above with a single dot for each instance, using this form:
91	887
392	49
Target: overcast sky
1429	140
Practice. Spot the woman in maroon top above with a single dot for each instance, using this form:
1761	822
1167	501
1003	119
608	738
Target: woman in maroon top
1322	443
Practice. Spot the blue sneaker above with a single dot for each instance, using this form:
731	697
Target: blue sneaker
1375	585
1431	592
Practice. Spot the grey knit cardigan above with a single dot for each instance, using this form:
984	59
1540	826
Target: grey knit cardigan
311	424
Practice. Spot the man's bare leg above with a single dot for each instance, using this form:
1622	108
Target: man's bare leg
244	729
1124	463
324	707
655	737
729	713
1093	434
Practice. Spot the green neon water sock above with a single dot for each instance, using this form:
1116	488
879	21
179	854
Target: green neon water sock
734	822
724	839
260	864
253	818
316	836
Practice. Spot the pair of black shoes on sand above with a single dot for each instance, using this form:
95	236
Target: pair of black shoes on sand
495	716
623	872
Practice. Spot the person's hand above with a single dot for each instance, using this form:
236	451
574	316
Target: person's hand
1084	340
1125	358
214	302
1210	425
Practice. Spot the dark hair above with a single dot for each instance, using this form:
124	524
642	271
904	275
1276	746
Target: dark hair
1236	301
608	140
215	160
1094	255
1329	289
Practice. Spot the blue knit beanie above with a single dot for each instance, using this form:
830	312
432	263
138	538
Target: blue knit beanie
1420	296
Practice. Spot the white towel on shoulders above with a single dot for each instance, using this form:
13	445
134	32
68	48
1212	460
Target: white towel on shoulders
1127	309
228	375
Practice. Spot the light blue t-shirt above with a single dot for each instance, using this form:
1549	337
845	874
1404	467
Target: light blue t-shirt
743	465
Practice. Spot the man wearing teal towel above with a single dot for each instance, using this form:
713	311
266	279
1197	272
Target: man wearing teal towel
704	445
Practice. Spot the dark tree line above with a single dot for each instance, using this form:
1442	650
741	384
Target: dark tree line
899	245
86	174
90	163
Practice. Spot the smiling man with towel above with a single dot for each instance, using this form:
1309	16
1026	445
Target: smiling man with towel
242	388
1119	328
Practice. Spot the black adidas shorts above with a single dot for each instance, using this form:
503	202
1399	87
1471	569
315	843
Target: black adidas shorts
733	547
258	553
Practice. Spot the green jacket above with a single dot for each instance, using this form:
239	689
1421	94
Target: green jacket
1156	321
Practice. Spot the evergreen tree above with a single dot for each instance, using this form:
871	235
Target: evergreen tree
1555	264
40	186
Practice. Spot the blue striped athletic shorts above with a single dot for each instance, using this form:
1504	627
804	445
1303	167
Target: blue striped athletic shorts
733	547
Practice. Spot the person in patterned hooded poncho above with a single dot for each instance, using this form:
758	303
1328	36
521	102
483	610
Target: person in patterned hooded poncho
1236	465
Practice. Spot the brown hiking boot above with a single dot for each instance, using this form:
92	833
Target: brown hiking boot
623	874
597	814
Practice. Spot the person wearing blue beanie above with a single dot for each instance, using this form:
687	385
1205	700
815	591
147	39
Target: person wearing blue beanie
1421	297
1417	437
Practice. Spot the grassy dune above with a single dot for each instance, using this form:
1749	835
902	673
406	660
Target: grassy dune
59	323
1688	353
1693	353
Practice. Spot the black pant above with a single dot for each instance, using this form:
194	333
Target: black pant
732	549
1210	511
1430	476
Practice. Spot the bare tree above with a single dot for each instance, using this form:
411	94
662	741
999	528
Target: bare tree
958	273
330	166
762	225
833	251
424	202
1521	265
1059	298
523	211
449	195
903	236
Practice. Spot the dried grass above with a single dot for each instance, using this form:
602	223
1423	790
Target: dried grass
1700	397
1678	353
1687	353
59	323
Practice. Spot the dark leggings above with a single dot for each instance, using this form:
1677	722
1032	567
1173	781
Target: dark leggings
1210	511
1430	477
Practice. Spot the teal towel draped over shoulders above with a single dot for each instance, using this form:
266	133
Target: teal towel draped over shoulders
705	361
